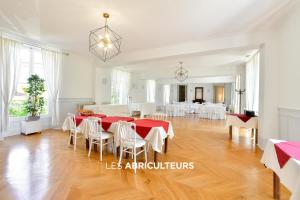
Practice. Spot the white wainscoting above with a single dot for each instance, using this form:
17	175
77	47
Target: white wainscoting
69	105
289	124
15	125
66	105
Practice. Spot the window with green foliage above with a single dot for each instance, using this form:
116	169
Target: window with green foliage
31	64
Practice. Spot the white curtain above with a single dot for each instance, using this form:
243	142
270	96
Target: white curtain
9	75
120	84
150	84
252	83
166	94
52	65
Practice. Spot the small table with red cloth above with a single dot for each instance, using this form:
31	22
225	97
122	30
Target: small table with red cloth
242	121
283	158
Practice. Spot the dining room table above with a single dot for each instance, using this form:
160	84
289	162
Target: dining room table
155	132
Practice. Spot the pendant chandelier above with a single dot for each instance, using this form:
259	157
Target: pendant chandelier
104	42
181	74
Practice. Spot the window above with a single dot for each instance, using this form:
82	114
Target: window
252	83
150	91
31	63
120	83
166	94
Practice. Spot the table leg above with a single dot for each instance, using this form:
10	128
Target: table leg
118	151
166	144
230	132
155	156
71	139
87	143
256	136
276	186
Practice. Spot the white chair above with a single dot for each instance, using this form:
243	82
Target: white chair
159	116
129	141
74	130
96	135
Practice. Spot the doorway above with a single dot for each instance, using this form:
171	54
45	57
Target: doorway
182	90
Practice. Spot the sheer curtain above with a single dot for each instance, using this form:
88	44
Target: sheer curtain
166	94
252	83
9	75
150	84
120	83
52	65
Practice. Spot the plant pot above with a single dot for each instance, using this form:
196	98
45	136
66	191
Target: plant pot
33	118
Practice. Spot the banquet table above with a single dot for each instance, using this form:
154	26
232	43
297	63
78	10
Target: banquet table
241	120
283	158
155	132
211	111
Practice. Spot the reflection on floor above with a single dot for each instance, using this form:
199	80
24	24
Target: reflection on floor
42	166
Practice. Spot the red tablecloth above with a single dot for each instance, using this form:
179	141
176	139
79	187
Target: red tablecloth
242	117
287	150
143	126
79	118
107	121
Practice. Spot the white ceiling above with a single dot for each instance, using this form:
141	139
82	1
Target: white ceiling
143	24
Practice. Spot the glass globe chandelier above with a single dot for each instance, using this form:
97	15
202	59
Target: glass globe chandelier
104	42
181	74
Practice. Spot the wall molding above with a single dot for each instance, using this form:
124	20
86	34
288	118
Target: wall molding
69	105
75	99
289	124
66	105
14	127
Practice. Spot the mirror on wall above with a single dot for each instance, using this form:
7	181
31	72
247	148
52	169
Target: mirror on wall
198	94
219	94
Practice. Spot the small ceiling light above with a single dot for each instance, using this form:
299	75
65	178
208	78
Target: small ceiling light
104	42
181	74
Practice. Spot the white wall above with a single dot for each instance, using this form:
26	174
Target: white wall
208	91
138	91
228	94
77	76
289	59
78	82
102	85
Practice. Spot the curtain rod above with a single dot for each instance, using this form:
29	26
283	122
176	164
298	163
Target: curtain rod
30	45
40	47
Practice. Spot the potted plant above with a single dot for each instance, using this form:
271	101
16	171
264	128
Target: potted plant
34	105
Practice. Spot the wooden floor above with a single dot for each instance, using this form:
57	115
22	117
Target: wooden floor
42	166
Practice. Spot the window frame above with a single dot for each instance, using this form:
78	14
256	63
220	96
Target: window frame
31	64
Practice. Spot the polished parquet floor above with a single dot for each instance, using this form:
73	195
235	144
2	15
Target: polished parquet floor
42	166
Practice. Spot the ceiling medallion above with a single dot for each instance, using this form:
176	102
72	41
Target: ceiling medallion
104	42
181	74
